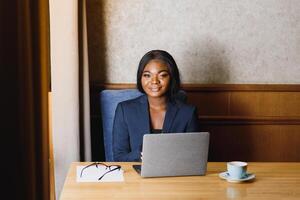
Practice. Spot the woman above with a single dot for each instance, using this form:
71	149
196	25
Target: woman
159	110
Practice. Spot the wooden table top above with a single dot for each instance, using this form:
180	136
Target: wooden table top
273	181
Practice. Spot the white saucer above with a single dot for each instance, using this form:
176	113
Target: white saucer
226	176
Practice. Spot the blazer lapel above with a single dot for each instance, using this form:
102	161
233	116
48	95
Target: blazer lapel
170	116
144	120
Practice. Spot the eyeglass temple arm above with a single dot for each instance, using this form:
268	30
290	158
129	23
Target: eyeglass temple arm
119	167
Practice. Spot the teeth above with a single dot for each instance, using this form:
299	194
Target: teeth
154	89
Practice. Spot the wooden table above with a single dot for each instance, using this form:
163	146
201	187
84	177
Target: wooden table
273	181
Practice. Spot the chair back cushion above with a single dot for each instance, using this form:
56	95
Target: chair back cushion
109	100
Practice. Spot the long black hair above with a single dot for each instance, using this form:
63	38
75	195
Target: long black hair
166	58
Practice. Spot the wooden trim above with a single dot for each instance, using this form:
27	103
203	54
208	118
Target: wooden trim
242	87
245	120
43	60
210	87
112	86
51	151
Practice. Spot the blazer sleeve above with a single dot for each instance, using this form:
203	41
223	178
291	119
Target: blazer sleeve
121	145
193	124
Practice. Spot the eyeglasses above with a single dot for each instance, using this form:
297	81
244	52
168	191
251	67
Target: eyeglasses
110	168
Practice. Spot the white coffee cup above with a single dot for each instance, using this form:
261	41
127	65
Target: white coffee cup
237	169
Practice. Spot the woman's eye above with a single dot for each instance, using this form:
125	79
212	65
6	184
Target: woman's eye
146	75
164	75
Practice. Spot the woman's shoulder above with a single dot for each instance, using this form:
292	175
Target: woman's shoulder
134	101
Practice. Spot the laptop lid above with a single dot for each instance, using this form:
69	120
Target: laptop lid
175	154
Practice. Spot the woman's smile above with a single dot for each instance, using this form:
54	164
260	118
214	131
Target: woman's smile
155	89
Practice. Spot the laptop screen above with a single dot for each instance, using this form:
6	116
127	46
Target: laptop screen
174	154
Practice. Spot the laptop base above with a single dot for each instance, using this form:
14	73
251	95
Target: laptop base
137	168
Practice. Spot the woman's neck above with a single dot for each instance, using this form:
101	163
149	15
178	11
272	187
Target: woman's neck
157	103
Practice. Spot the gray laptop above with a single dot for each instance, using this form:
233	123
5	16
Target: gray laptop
174	154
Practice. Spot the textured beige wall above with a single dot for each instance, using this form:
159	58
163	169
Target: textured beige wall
213	41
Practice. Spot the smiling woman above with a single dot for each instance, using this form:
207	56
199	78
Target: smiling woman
157	111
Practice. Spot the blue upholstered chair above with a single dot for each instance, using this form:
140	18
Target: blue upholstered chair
109	100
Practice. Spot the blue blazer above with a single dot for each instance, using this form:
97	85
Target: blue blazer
132	122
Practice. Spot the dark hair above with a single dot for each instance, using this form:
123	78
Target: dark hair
166	58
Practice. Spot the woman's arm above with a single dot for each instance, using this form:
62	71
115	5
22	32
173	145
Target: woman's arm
193	124
121	140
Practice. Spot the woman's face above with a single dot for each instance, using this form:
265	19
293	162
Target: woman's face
156	79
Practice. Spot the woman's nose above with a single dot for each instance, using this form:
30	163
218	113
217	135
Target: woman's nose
154	79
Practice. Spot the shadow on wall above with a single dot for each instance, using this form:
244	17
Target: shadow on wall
209	59
228	141
97	71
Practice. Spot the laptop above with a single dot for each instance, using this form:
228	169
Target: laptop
174	154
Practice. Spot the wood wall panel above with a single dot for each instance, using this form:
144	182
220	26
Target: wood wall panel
290	104
290	142
254	142
210	103
254	103
246	122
